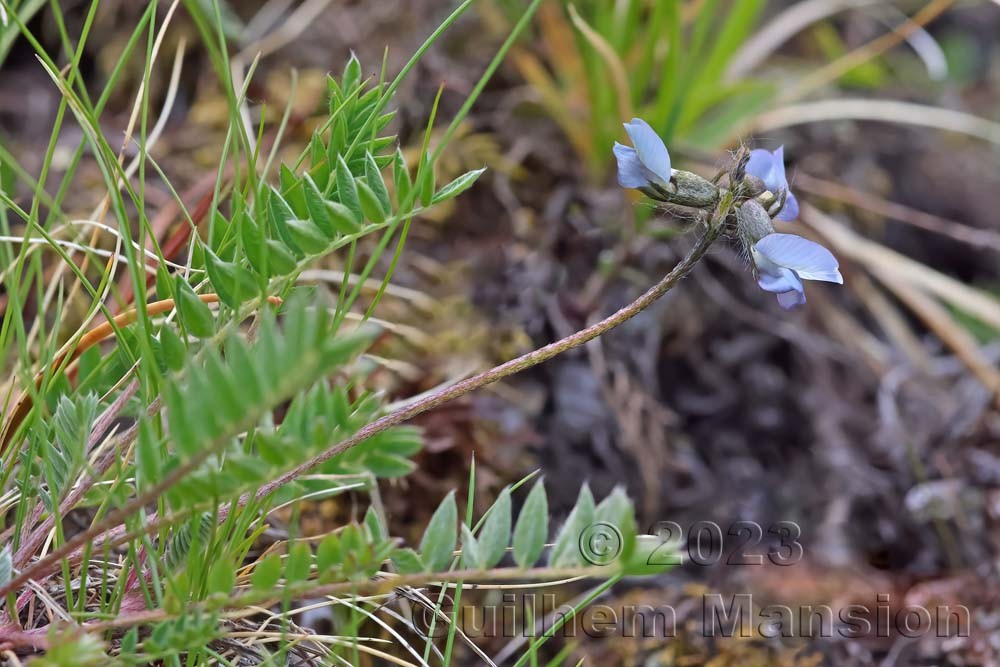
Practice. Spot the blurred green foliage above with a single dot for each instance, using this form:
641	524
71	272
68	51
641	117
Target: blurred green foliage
594	64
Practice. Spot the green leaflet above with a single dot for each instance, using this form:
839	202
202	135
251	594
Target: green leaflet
457	186
566	552
347	190
193	313
472	553
532	527
438	542
233	283
495	532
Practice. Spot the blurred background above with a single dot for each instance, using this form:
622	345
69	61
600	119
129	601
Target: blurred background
869	418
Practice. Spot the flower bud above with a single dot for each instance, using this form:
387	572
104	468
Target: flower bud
753	186
687	189
753	222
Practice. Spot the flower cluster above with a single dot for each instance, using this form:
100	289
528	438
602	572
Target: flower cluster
781	261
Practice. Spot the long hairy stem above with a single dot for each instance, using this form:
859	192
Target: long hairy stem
98	535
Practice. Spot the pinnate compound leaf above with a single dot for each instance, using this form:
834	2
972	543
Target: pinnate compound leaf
64	454
226	394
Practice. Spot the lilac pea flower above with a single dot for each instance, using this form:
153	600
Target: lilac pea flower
770	168
783	261
647	163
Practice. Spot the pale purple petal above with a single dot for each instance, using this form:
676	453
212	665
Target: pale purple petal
809	260
651	150
778	168
770	168
779	280
789	300
791	209
630	171
762	165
